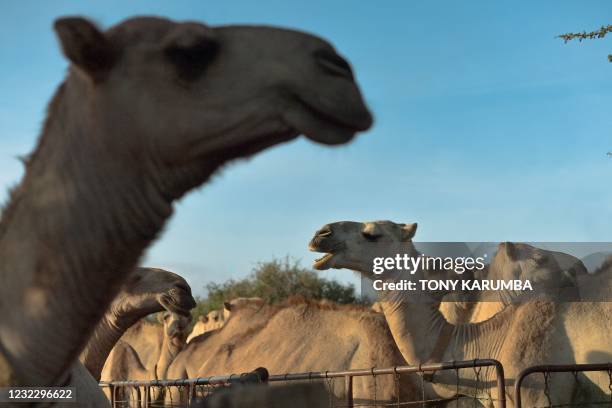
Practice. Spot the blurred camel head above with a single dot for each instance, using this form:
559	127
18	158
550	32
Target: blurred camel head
149	110
189	95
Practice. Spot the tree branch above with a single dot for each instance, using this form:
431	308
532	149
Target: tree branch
601	33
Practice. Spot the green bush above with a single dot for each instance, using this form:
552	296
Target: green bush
275	281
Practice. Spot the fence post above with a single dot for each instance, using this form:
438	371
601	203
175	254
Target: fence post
111	389
348	390
146	396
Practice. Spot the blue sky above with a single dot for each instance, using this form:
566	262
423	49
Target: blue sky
488	127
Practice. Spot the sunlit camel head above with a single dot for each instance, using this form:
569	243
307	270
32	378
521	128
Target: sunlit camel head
354	245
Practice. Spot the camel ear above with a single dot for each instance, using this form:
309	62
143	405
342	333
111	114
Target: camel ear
510	249
408	231
85	46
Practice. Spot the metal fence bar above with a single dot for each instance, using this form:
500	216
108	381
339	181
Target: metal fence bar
561	368
451	365
348	375
213	380
348	390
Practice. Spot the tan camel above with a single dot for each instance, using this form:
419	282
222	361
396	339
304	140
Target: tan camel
146	338
213	320
300	336
125	364
553	273
519	336
150	109
598	285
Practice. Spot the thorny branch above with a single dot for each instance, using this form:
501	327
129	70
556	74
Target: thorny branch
601	33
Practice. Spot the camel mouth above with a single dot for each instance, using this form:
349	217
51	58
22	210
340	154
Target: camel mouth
323	262
324	127
329	253
180	305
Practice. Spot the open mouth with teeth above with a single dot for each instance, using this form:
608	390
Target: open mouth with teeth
321	245
322	263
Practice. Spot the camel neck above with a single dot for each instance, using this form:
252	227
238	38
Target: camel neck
423	334
106	334
421	331
168	352
74	227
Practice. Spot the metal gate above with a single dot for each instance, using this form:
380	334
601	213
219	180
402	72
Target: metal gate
546	370
183	393
347	377
173	393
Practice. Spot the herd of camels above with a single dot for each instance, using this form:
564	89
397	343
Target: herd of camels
151	109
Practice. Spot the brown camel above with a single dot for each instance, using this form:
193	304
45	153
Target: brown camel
146	291
150	109
519	336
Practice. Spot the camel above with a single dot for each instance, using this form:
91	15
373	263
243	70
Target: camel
519	336
598	285
147	291
299	336
149	110
213	320
145	337
125	364
554	274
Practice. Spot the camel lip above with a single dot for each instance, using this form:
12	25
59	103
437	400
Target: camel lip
322	262
358	125
329	248
332	129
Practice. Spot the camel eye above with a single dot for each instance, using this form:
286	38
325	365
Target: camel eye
191	61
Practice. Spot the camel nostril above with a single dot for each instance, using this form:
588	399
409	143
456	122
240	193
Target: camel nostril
326	231
333	64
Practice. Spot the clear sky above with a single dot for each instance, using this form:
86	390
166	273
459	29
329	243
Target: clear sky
488	128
